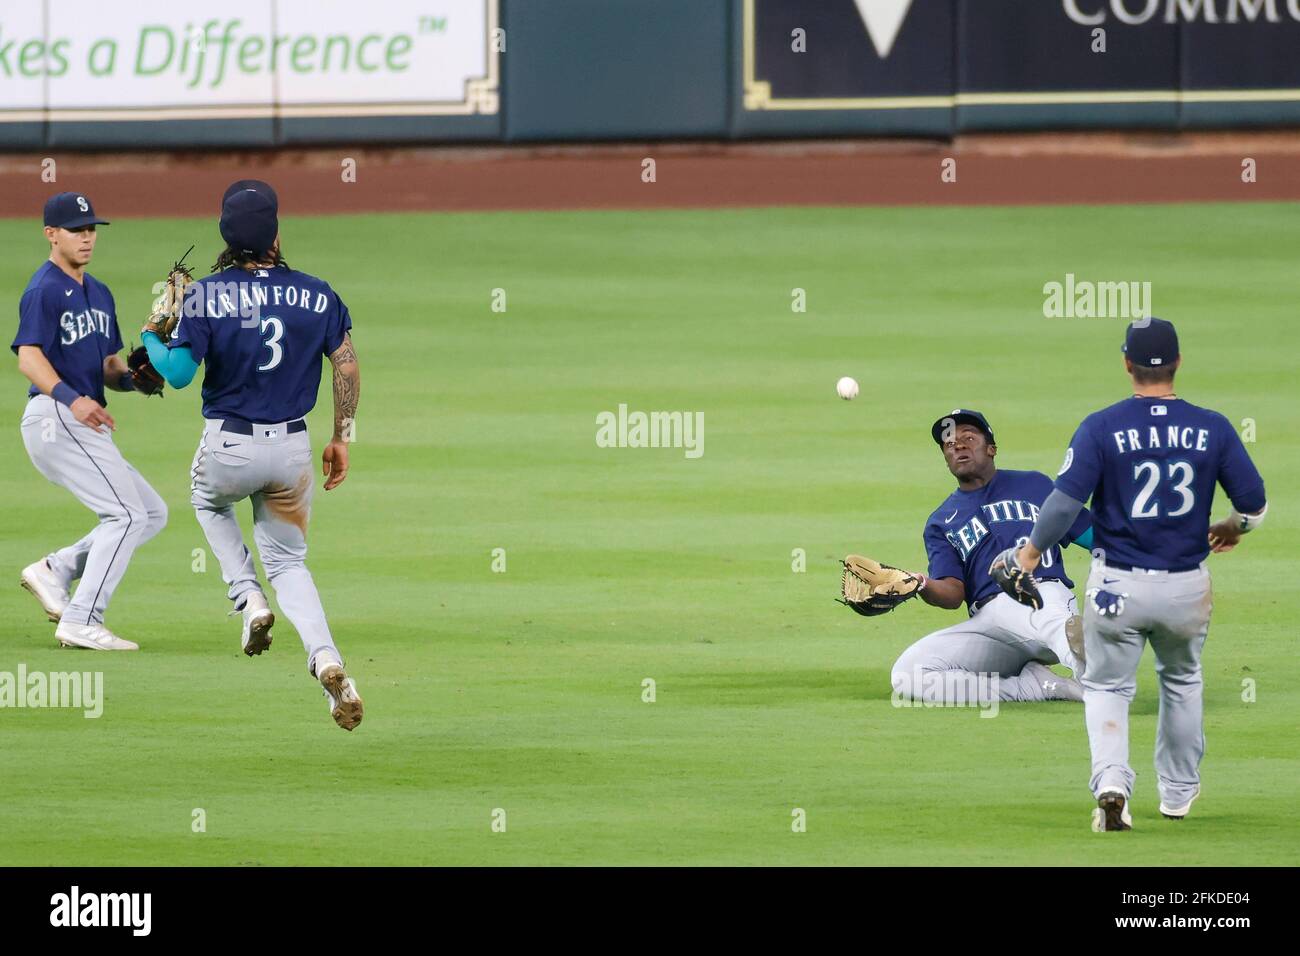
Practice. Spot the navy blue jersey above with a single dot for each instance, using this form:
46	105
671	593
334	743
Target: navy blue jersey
970	529
261	336
1150	466
74	323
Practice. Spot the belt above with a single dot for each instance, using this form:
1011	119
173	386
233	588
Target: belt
1128	567
980	603
237	426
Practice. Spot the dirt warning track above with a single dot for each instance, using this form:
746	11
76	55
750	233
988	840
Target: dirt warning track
989	170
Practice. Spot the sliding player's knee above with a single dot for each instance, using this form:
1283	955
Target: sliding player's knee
906	675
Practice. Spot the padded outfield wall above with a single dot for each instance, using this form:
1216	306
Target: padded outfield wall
154	74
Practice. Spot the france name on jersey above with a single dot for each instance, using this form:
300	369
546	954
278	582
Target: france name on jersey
261	335
1150	466
970	529
74	323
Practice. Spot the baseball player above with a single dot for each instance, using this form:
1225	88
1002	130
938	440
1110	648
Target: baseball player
990	509
1150	464
67	345
261	329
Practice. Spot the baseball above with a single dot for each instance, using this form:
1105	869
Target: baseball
846	388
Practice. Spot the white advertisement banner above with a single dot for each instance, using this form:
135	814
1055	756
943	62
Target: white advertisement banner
156	59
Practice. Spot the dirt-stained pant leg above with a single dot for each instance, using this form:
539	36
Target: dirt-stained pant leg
274	469
1172	611
1113	649
281	511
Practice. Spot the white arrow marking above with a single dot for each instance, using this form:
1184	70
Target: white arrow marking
883	19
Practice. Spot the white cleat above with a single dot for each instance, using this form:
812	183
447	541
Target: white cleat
258	618
1177	813
1055	687
345	702
46	588
1111	813
95	637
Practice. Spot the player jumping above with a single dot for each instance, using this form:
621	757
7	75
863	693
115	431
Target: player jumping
991	509
1150	464
261	328
67	345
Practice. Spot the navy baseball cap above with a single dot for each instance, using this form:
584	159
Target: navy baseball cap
1151	343
250	216
71	211
962	416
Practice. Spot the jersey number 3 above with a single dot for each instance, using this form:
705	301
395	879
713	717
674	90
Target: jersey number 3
1180	472
272	342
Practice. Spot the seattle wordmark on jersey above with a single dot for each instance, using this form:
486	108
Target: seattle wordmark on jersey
970	528
73	323
968	536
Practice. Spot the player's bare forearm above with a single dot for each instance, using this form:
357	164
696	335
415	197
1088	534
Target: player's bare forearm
347	389
347	393
947	593
33	363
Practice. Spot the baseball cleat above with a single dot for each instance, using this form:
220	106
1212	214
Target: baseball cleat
1074	638
1177	813
345	702
1054	686
95	637
258	618
1111	813
46	588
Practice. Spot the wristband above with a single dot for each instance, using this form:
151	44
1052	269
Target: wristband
1246	523
65	393
126	383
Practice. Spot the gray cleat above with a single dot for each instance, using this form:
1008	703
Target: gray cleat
1054	686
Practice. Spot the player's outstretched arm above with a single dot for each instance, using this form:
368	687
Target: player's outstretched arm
175	365
347	394
1055	517
947	593
33	363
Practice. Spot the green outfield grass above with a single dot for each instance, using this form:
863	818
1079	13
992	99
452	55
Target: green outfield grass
523	690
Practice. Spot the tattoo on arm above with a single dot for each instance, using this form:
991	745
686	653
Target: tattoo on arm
347	389
344	354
